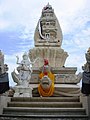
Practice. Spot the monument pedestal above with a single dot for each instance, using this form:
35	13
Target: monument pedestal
65	81
21	91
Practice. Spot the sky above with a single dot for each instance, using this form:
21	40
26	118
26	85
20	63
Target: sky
18	20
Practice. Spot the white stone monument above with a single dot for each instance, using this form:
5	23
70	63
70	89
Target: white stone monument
48	40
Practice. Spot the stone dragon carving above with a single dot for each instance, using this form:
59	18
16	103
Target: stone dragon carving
46	82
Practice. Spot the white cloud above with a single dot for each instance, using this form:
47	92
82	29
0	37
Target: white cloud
82	38
28	12
4	24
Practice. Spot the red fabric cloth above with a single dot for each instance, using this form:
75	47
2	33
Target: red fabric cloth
45	62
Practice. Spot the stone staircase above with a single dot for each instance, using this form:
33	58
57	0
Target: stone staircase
44	108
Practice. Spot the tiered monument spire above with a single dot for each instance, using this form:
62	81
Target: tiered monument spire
48	40
48	31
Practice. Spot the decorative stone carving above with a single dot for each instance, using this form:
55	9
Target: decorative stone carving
4	81
62	75
22	91
86	74
24	71
68	78
23	77
48	40
46	81
3	67
86	66
48	31
55	55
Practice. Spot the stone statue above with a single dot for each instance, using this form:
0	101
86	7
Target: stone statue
46	81
86	74
3	67
24	70
86	66
4	81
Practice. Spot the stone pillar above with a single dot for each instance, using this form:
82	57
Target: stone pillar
86	103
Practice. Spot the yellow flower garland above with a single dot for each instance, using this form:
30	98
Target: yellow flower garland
49	91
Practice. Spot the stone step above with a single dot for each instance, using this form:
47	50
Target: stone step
43	111
46	104
43	117
44	108
45	99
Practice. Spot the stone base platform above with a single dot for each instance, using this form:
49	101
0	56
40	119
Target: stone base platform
21	91
60	90
62	75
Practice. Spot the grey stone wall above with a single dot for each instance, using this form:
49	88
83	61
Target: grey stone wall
3	102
